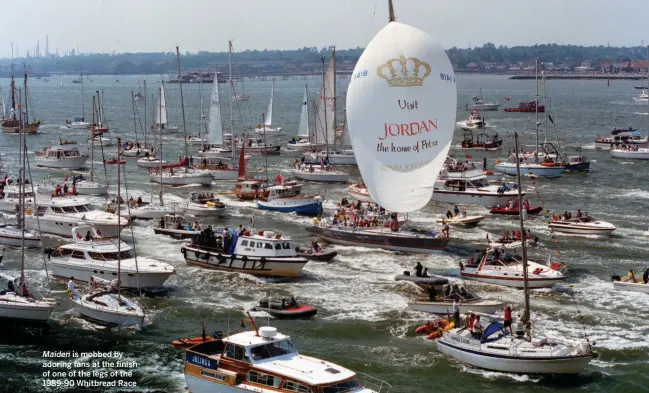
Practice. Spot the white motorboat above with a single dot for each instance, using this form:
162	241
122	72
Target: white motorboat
202	204
444	306
623	284
151	211
180	177
634	153
621	137
258	146
285	199
474	122
86	187
57	215
498	266
582	226
303	145
98	257
213	151
642	99
13	236
108	307
134	152
263	253
320	173
271	360
478	104
336	156
150	162
463	220
16	307
359	192
78	124
10	199
61	157
541	169
195	140
466	184
100	140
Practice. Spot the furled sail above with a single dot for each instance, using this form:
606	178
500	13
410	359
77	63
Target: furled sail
215	128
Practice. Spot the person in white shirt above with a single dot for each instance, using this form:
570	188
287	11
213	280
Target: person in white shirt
456	312
477	328
72	290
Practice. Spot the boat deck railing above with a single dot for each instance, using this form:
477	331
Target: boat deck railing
376	384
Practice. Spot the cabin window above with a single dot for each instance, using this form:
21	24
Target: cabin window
268	246
41	211
96	256
342	386
272	350
212	375
264	379
260	245
58	210
69	209
244	243
286	245
236	352
278	246
296	387
61	252
110	256
83	208
78	254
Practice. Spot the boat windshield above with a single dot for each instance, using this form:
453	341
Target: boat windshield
271	350
479	183
341	387
111	256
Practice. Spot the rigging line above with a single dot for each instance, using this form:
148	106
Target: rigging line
128	208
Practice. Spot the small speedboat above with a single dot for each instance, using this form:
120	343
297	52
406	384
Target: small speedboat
466	221
623	284
114	162
322	255
444	306
431	280
514	211
582	226
276	310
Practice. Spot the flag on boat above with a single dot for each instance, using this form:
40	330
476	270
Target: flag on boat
468	156
506	98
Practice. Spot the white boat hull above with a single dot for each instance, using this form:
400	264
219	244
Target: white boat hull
440	308
514	282
640	154
65	270
580	230
79	125
322	176
224	174
13	237
484	107
134	153
529	170
62	163
151	212
204	179
106	315
62	226
91	188
514	364
16	308
631	286
146	163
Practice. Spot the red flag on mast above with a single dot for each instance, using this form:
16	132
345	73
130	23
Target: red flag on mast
242	162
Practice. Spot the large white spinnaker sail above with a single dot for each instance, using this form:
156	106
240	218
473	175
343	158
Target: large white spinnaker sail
160	114
401	105
215	128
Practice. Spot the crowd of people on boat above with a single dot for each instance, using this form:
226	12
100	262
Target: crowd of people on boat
506	187
566	216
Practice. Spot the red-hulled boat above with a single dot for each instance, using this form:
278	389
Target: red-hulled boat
513	211
529	106
287	311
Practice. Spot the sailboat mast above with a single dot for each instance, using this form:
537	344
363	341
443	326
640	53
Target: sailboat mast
526	313
160	112
232	144
536	109
134	121
26	112
13	94
182	102
391	8
314	105
83	105
324	103
119	217
145	112
333	96
92	143
21	203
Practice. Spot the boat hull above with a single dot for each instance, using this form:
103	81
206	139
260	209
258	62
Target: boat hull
324	176
65	270
63	163
640	154
90	188
62	226
224	174
33	313
384	240
580	167
544	171
106	316
177	233
562	228
484	107
270	267
14	239
198	211
515	364
204	180
304	206
631	286
472	198
513	282
441	308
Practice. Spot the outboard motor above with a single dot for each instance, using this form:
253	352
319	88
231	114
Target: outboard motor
615	278
406	273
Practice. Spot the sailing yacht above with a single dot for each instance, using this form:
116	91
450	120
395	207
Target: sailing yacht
305	141
79	123
11	125
17	302
267	127
107	306
160	116
139	96
494	349
242	96
88	186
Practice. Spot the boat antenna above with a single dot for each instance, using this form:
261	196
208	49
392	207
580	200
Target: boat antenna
182	104
391	8
526	313
254	325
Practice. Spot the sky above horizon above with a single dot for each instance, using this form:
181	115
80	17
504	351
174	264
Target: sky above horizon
160	25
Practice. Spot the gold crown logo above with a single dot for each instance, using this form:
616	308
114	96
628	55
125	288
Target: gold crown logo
404	72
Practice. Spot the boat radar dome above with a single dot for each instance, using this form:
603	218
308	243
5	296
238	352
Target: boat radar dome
267	331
